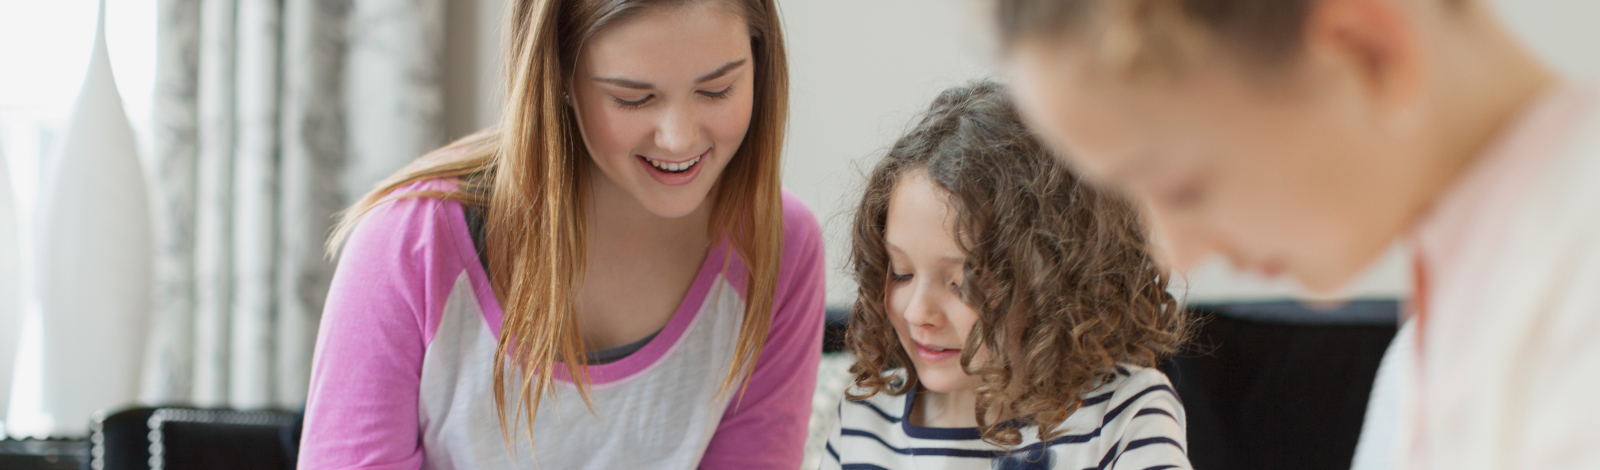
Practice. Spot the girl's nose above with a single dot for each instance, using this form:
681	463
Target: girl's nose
923	310
679	132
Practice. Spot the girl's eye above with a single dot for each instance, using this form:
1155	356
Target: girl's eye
717	95
636	104
897	277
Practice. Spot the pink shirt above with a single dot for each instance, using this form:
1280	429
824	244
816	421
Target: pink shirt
1503	371
402	376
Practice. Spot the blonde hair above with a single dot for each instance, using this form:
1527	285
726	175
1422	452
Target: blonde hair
529	169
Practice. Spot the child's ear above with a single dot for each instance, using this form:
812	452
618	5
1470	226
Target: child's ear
1378	47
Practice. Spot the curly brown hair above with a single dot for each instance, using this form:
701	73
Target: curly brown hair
1057	270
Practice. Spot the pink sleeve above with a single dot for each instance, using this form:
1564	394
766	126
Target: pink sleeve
385	297
766	428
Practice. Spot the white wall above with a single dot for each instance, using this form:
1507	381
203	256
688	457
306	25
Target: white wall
1563	32
862	69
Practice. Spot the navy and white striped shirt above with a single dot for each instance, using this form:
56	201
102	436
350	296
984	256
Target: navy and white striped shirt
1135	422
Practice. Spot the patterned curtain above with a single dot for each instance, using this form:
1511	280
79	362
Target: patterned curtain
269	117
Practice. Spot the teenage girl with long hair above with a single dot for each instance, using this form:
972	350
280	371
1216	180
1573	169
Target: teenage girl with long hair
611	277
1304	137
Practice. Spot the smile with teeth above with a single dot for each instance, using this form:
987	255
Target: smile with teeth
670	167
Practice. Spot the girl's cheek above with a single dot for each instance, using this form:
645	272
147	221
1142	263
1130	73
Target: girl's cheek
980	358
602	131
732	123
964	319
895	303
625	132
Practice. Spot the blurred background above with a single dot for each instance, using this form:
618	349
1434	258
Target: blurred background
254	121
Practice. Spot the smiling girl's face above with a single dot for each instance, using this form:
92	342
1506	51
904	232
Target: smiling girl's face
924	287
664	100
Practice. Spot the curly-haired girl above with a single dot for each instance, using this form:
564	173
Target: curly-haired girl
1008	314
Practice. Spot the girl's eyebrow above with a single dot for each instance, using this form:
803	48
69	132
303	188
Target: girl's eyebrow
952	258
626	83
724	70
721	71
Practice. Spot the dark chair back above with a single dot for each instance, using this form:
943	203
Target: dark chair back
172	438
1272	385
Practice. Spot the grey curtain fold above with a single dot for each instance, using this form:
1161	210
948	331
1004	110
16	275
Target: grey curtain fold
315	154
256	201
169	357
213	205
271	116
392	54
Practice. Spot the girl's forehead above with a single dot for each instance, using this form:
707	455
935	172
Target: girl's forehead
916	195
921	220
675	32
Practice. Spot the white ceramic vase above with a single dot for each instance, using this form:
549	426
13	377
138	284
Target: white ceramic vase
94	264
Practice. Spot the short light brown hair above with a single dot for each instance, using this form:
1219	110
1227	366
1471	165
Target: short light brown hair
1161	35
1057	270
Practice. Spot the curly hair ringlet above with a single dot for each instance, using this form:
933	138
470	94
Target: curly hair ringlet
1057	270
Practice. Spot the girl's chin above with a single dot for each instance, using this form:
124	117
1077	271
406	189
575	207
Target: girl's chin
672	202
668	209
945	382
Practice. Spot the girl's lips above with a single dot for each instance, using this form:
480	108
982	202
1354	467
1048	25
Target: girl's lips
674	178
931	355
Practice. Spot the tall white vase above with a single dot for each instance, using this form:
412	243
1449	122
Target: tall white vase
10	290
94	269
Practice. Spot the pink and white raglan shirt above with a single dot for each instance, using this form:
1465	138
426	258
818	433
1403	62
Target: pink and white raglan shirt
403	375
